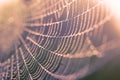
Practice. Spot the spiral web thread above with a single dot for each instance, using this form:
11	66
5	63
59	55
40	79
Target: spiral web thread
55	45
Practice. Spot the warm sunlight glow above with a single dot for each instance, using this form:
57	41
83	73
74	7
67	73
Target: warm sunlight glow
114	5
4	1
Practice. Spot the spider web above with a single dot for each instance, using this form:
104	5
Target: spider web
56	44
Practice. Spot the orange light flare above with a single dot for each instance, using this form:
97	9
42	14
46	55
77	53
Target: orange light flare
4	2
114	5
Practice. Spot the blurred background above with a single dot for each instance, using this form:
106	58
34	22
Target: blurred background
59	40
